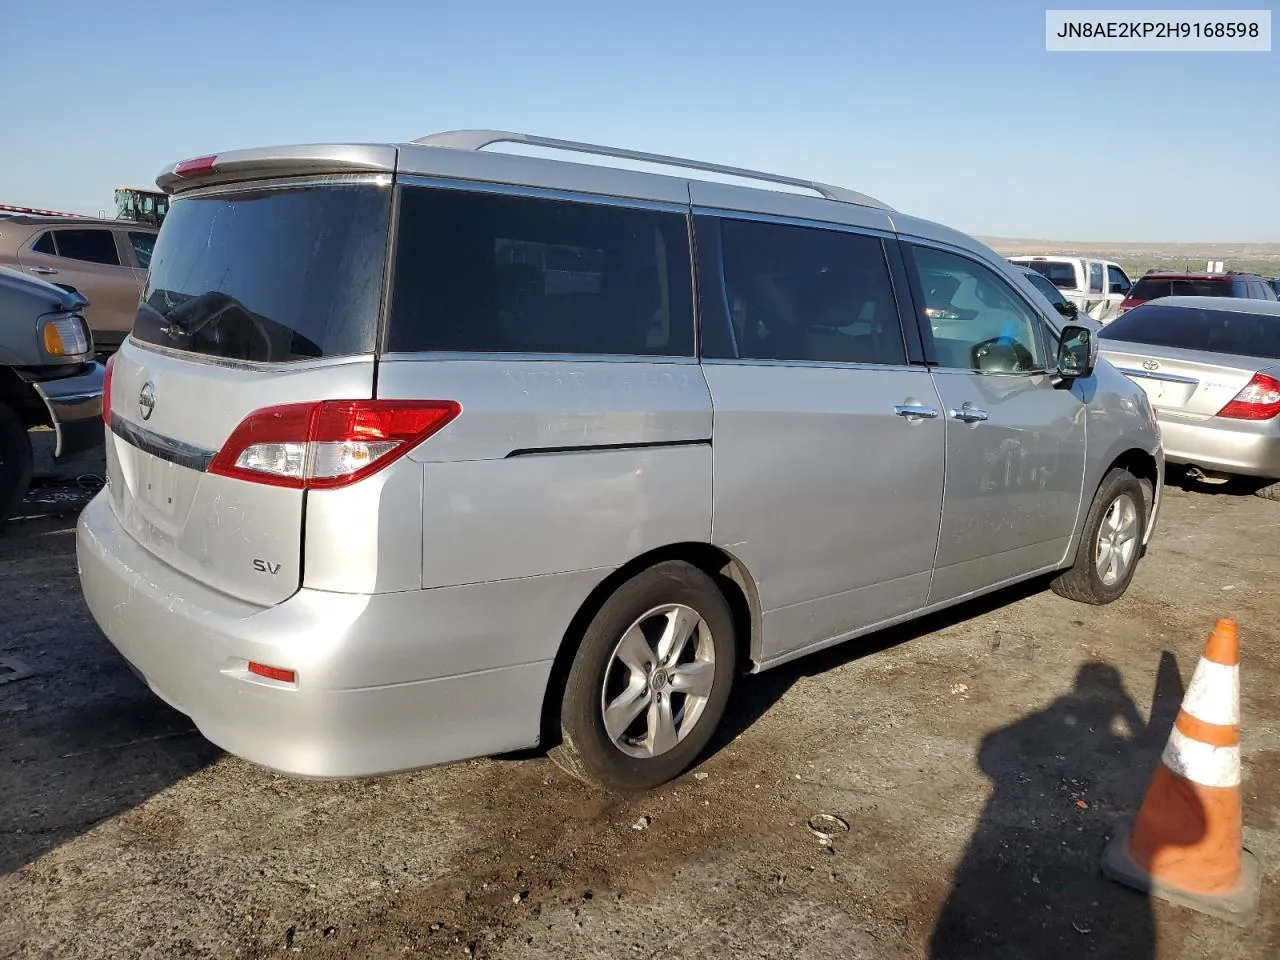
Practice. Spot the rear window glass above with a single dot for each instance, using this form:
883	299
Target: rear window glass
1061	275
1149	289
269	276
1190	328
486	273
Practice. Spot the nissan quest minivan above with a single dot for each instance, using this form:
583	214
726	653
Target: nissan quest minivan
422	452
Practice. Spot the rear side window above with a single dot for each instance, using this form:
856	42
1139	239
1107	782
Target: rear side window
1187	328
45	244
1095	278
269	275
91	246
1061	275
487	273
798	293
1152	289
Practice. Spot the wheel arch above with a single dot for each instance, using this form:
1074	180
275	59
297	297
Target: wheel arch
19	396
1149	470
730	575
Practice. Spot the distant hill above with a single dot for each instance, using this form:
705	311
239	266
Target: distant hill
1137	258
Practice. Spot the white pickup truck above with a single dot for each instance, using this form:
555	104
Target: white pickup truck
1095	286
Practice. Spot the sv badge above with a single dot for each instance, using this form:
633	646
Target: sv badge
265	566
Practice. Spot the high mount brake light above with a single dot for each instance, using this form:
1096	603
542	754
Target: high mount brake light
195	167
330	443
1259	400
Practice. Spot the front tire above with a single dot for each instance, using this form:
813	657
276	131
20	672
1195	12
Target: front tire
1110	543
1270	492
650	681
15	461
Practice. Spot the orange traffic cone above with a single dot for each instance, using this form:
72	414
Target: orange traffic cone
1186	843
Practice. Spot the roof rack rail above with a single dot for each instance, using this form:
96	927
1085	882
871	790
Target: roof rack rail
479	139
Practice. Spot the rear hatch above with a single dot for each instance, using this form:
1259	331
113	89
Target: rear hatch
259	294
1190	361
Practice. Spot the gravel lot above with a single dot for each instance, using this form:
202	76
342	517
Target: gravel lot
981	759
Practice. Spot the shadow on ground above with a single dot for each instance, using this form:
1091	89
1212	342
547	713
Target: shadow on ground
81	739
1029	883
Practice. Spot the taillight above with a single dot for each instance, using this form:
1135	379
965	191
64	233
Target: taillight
328	444
106	390
1259	400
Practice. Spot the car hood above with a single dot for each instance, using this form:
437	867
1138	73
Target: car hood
58	298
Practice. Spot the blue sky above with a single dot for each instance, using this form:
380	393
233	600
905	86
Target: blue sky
952	111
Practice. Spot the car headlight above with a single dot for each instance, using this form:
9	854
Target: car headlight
65	336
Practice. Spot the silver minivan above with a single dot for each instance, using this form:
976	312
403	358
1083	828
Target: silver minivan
426	451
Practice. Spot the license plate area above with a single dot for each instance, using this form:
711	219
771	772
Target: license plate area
156	494
1166	393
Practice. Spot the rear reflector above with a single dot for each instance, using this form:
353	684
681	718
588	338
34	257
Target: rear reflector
273	673
1259	400
328	444
106	390
195	167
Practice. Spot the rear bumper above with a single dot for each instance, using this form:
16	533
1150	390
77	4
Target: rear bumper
385	682
1250	448
75	407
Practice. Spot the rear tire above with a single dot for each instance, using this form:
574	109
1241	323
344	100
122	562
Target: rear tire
15	461
657	659
1106	559
1270	492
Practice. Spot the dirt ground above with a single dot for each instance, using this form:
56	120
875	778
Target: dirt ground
981	759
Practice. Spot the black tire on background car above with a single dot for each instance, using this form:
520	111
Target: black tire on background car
1270	492
649	683
1110	542
15	461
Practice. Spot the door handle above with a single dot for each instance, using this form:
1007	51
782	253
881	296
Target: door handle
44	271
968	413
915	410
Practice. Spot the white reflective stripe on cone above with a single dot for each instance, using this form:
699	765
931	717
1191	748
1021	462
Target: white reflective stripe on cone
1214	694
1202	763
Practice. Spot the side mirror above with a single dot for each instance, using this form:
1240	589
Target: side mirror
1077	352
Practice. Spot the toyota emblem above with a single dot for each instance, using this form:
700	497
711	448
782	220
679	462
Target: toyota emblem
1146	365
147	399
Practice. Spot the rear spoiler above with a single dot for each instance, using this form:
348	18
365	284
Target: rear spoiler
269	162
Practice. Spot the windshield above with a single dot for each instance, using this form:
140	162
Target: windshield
1192	328
269	275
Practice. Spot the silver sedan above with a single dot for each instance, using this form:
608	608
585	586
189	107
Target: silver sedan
1211	367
